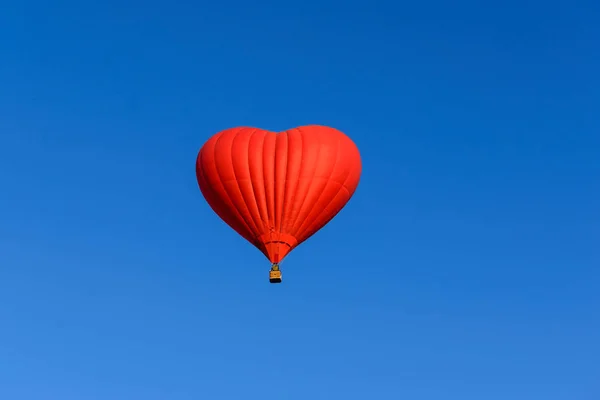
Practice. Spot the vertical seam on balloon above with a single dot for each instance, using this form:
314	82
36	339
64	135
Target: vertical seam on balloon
270	210
293	197
275	218
225	187
285	181
237	182
260	228
308	190
263	187
285	187
300	231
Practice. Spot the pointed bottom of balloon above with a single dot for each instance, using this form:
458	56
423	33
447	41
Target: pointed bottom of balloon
277	246
276	252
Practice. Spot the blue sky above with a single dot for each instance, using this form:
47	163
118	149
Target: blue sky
465	267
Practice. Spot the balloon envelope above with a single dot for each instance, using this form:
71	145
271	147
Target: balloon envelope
277	189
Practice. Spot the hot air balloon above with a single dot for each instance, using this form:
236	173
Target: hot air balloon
278	189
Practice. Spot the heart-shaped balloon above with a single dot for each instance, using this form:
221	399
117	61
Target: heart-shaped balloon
278	189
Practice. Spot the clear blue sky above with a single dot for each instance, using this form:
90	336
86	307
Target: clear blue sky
465	267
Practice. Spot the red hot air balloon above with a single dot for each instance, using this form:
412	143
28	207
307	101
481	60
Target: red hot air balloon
277	189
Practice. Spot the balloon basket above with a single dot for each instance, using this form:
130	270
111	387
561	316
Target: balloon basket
275	274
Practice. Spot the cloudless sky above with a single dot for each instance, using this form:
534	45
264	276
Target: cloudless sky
465	267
